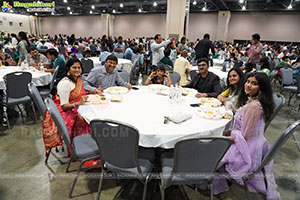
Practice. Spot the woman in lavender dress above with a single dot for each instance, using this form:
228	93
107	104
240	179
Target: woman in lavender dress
250	145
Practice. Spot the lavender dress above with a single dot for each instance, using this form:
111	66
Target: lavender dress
247	151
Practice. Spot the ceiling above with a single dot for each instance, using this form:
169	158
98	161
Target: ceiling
84	7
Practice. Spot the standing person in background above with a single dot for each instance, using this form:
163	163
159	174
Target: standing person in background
119	46
182	45
203	46
255	52
23	46
158	47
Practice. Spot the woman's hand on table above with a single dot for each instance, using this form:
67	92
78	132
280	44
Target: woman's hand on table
83	99
221	99
128	86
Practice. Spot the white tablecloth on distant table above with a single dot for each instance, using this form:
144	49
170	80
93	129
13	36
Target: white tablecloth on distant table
218	62
38	78
145	110
216	70
122	63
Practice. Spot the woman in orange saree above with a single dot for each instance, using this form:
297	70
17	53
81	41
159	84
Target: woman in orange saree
70	95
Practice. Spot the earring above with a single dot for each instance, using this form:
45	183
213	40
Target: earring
68	73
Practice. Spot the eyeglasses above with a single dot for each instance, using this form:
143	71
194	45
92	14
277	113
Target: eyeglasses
202	65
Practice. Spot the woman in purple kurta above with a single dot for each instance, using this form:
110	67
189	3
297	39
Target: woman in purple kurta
250	145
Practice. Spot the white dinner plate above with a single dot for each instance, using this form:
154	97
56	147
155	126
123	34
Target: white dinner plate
116	90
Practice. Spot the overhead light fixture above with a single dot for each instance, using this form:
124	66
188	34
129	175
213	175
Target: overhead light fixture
290	6
114	11
35	14
140	10
52	13
65	1
203	9
91	12
103	11
93	7
241	1
244	8
154	4
194	2
121	5
68	8
71	13
11	11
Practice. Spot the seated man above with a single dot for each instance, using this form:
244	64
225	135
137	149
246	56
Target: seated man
182	66
58	61
35	58
207	83
6	59
104	77
129	51
166	60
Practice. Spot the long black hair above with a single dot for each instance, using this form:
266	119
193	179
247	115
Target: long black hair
240	84
23	36
265	94
69	64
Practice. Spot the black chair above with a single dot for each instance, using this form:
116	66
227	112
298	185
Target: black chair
175	77
9	52
62	51
93	50
45	92
127	158
87	65
84	147
124	75
193	162
37	99
193	74
17	92
279	101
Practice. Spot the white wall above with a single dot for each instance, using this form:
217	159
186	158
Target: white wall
138	25
84	26
201	23
277	26
16	19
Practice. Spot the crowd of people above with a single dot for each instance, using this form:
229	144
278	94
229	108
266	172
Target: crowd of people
248	85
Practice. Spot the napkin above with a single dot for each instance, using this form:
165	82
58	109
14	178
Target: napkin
178	117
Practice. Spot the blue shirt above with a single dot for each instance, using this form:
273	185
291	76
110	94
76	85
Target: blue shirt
128	53
119	46
104	55
98	77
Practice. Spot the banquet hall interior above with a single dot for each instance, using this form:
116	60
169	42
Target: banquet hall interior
150	99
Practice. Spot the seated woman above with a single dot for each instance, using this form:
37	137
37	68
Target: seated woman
70	95
235	83
250	146
264	66
160	76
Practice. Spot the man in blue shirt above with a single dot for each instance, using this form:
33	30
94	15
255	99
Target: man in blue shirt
104	77
129	51
119	46
57	61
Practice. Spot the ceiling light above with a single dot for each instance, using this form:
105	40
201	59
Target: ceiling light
93	7
121	5
114	11
71	13
140	10
36	14
91	12
244	8
290	6
103	11
194	3
241	1
68	8
65	1
52	13
154	4
11	11
203	9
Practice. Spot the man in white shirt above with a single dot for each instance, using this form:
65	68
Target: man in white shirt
182	66
284	52
158	47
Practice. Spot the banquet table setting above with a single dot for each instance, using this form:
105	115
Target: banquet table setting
161	119
38	78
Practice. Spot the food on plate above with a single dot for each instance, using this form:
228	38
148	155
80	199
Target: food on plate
227	115
157	87
214	112
117	90
188	91
210	101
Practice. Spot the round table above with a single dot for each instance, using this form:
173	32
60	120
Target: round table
145	110
38	78
122	63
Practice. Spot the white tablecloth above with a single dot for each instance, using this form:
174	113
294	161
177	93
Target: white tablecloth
145	110
216	70
122	63
218	62
38	78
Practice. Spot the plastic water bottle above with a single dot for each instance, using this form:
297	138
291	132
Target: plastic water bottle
172	94
42	69
140	80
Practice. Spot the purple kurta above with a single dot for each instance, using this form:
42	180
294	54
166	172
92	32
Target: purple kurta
247	151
